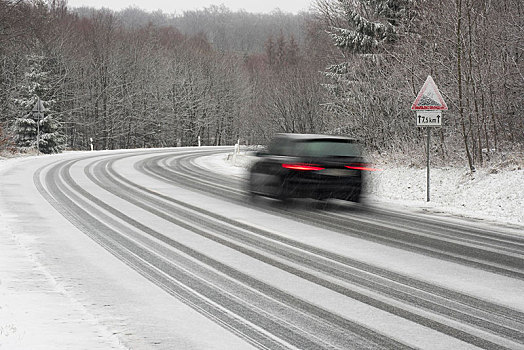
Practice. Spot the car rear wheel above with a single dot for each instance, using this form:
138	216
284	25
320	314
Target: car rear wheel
276	190
354	196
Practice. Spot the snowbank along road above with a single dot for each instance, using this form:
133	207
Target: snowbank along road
178	257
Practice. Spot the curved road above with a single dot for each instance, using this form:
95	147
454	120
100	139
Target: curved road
287	277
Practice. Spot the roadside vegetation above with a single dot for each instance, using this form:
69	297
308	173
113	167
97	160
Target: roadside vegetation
134	79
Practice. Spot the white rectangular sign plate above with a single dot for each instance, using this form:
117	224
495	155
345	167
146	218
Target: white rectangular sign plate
429	118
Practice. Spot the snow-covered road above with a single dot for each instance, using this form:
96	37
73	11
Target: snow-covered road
156	249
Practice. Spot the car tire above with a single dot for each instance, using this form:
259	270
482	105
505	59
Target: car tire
354	197
279	192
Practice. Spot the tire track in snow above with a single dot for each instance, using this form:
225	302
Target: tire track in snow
102	223
491	251
477	312
504	323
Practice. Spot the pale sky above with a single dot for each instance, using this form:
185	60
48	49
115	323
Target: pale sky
178	6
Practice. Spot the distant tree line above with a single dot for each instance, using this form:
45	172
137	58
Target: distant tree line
136	79
126	83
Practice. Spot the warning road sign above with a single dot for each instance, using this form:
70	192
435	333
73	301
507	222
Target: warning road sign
429	98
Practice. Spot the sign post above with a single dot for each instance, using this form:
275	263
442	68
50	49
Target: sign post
427	165
429	105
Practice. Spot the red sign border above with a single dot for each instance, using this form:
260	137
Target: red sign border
442	107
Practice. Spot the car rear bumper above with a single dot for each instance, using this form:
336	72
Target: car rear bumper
346	188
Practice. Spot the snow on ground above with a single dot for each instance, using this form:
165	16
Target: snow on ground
36	311
493	196
57	318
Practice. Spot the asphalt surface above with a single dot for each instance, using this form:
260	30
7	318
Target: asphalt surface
303	275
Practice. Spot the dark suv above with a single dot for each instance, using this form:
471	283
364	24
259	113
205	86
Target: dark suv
309	166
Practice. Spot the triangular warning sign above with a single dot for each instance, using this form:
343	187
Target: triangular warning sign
429	98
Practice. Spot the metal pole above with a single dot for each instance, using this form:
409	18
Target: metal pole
429	140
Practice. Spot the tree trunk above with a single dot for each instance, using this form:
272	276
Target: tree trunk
459	82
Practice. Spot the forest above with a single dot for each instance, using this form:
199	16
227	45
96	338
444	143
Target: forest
136	79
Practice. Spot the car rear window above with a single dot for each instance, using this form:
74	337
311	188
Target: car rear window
327	148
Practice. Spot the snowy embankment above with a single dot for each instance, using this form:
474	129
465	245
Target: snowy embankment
494	195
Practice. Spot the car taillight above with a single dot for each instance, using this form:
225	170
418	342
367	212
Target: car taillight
302	166
361	166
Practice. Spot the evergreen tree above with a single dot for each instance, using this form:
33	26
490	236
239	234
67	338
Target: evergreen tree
364	27
371	24
36	84
364	31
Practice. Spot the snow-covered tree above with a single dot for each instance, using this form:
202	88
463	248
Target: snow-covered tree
367	25
364	34
36	84
363	26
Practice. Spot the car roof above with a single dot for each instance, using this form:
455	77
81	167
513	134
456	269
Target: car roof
313	137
